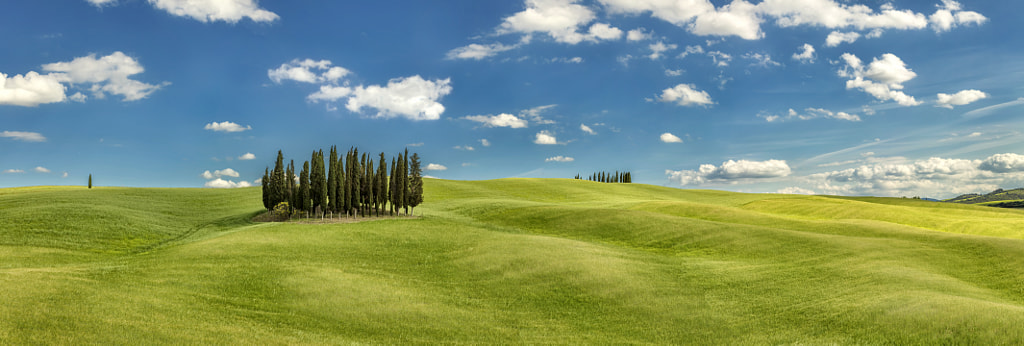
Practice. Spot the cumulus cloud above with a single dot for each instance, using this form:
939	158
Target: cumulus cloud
883	78
691	50
545	138
658	48
308	71
731	172
562	20
226	126
101	3
105	75
31	89
638	34
961	98
762	60
247	156
500	120
478	51
41	169
805	54
435	167
836	38
226	184
23	136
720	59
230	11
670	138
809	113
227	172
559	159
13	171
949	15
413	98
685	95
934	176
587	129
485	142
793	190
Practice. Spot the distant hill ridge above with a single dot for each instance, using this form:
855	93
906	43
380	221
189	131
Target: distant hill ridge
999	198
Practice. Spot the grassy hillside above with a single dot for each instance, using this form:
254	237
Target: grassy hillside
991	198
513	260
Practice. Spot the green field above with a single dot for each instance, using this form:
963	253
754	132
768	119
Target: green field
509	261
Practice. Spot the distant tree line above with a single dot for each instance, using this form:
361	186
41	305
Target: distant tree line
350	185
608	177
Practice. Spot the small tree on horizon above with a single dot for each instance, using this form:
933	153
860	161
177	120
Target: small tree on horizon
90	181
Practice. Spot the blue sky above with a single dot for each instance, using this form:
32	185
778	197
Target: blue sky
900	98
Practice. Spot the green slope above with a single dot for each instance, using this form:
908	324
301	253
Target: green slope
512	260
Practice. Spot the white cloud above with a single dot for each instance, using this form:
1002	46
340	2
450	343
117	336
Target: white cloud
949	16
247	156
731	172
435	167
805	54
793	190
464	147
411	97
638	34
810	113
587	129
691	50
685	95
302	71
230	11
41	169
573	60
720	59
485	142
1003	163
545	138
535	114
670	138
478	51
330	93
961	98
23	136
107	75
64	175
500	120
658	48
101	3
559	159
227	172
226	126
13	171
762	60
836	38
882	79
30	90
932	177
833	15
226	184
562	20
674	73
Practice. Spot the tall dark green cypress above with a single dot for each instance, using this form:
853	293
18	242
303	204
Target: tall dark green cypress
266	188
303	201
332	181
405	181
392	190
382	183
277	182
322	176
317	182
90	181
371	187
415	182
290	185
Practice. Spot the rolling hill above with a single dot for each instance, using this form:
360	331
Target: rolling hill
509	261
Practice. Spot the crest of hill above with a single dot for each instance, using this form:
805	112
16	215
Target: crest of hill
992	198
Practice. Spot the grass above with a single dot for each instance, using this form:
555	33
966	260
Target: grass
509	261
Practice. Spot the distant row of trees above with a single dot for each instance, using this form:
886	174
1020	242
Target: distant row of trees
608	177
352	185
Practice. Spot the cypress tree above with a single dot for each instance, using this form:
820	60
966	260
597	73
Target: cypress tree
382	185
416	182
90	181
303	201
322	177
290	184
317	180
340	188
332	181
277	182
266	188
405	181
392	190
371	187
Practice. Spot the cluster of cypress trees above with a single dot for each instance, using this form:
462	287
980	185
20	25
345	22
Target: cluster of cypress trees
351	185
608	177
